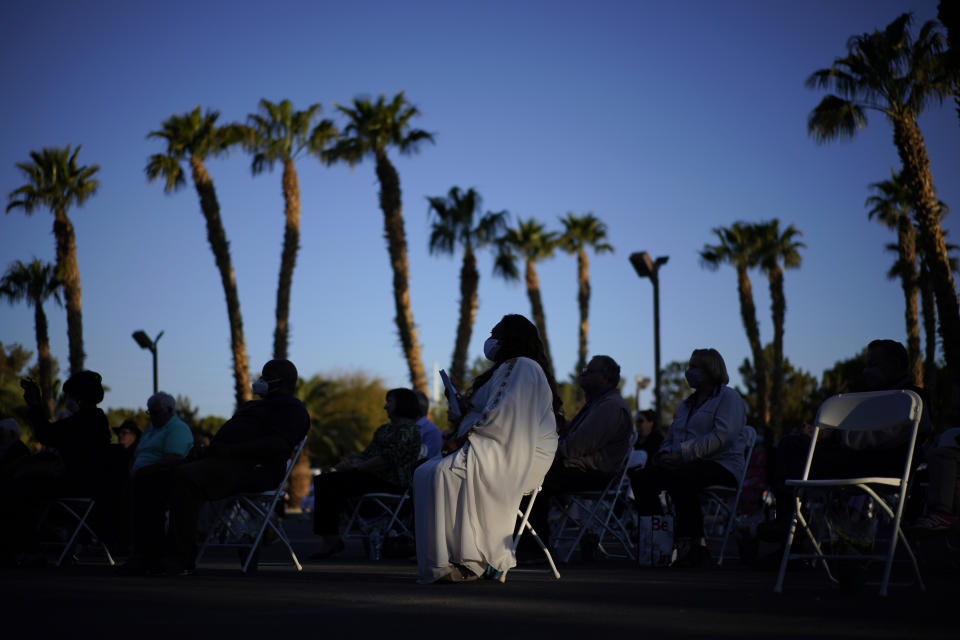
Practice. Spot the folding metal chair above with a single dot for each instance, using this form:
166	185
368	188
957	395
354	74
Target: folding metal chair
80	510
524	526
376	516
597	511
720	514
859	412
238	516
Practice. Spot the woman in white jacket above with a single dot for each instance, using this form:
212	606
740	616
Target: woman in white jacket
466	501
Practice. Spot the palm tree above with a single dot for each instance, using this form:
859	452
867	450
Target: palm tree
36	283
458	222
775	252
891	72
580	233
278	133
928	309
737	247
56	181
191	138
532	241
372	128
891	207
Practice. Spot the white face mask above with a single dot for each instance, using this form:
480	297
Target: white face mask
490	348
260	387
72	405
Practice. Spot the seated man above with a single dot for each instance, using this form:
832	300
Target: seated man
163	445
386	465
430	435
248	453
594	443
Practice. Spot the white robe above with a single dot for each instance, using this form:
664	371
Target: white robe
466	503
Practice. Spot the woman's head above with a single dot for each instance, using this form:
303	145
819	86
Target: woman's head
402	403
710	366
516	336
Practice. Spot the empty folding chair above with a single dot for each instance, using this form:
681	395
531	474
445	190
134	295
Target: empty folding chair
720	515
601	512
241	521
873	411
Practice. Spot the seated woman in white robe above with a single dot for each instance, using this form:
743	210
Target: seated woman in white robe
466	501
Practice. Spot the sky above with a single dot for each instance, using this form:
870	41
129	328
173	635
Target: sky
665	120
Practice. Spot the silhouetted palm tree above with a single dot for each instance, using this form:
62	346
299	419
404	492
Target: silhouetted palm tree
891	72
192	138
531	240
372	128
579	234
891	207
777	251
36	283
459	222
280	134
57	182
738	248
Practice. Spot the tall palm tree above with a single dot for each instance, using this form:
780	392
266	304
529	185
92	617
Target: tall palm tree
777	251
192	138
737	247
896	74
531	240
36	283
928	309
373	128
579	234
891	207
279	133
458	222
56	181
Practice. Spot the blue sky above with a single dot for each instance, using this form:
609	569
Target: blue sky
663	119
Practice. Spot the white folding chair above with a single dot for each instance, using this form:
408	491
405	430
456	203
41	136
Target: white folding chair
720	515
870	411
80	510
376	516
238	516
524	526
596	511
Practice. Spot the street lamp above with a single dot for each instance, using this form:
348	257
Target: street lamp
647	268
642	383
145	342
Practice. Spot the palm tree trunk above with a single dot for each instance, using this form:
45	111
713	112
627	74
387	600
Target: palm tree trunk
221	253
916	174
44	363
397	248
906	247
288	259
778	310
536	310
749	314
583	301
70	274
469	281
929	329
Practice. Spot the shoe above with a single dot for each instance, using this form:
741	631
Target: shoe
328	549
697	556
459	574
935	522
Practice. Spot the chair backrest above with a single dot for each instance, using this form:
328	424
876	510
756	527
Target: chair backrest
291	461
869	411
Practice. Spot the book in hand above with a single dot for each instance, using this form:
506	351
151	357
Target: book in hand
452	394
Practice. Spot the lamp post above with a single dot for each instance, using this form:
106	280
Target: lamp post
648	268
642	383
140	336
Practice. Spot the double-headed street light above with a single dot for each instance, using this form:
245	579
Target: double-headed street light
648	268
151	345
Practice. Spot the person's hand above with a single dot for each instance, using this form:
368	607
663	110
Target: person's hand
668	460
31	392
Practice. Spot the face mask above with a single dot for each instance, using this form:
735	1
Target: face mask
72	405
490	348
260	387
694	377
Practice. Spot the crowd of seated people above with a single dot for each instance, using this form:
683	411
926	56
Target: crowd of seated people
510	437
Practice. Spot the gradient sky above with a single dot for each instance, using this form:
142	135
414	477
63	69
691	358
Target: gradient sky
663	119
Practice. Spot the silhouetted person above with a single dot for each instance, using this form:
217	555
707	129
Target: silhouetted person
430	435
703	447
385	466
649	433
248	453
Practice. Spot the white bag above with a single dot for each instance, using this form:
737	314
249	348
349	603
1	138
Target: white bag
655	541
